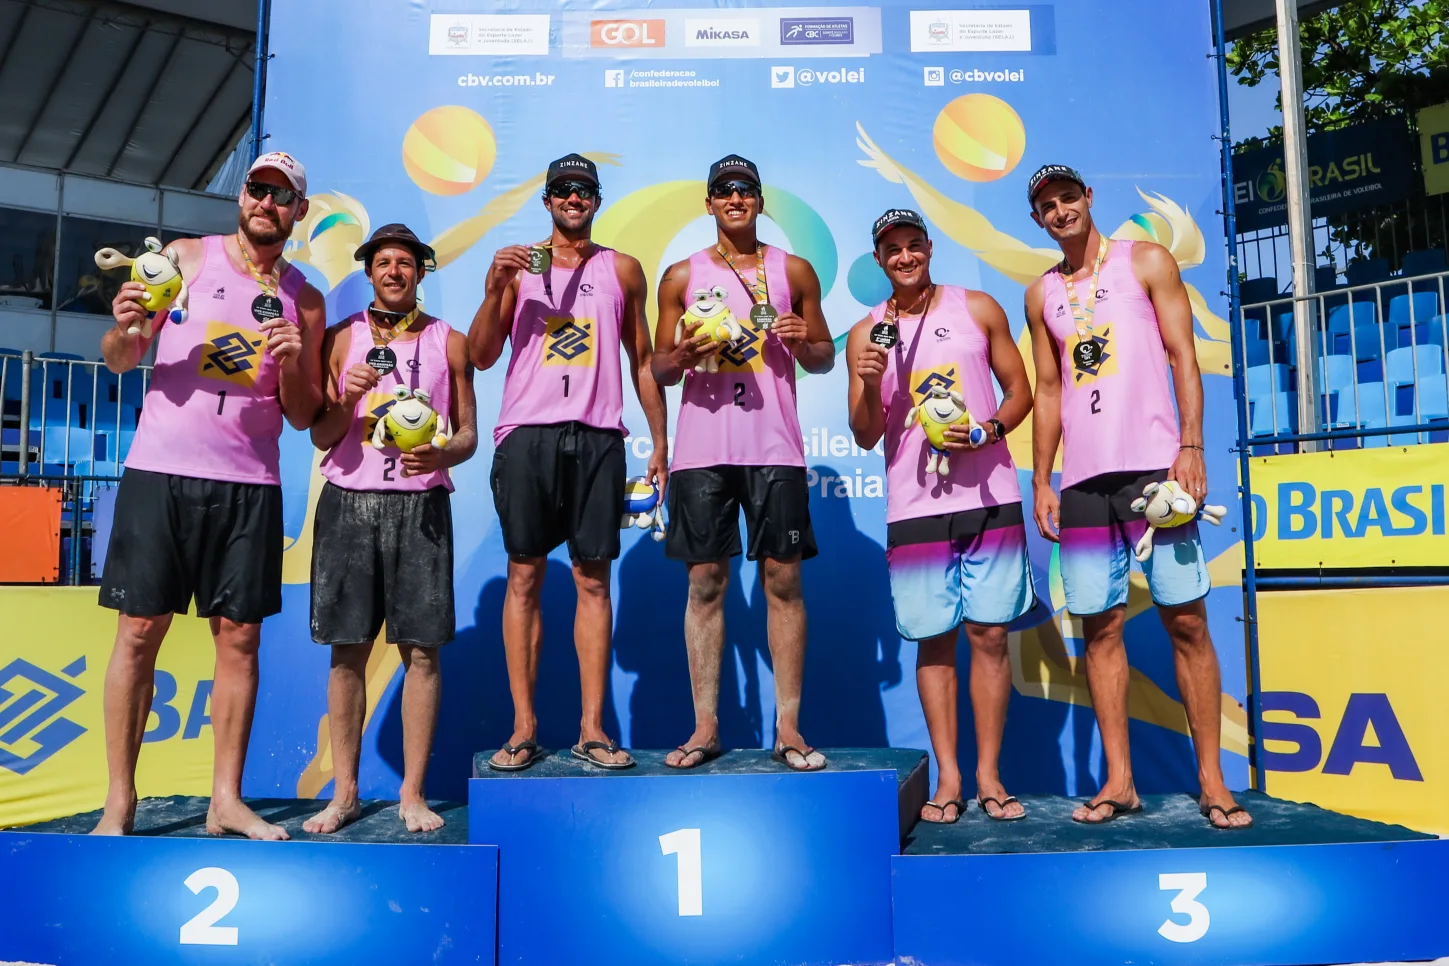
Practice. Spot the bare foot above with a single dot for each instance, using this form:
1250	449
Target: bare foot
697	744
117	819
989	788
333	817
418	817
802	757
234	816
1216	807
1124	794
522	755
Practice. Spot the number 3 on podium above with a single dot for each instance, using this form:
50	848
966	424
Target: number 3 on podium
1189	886
201	929
685	844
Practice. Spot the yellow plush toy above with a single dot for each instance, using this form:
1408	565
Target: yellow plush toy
939	411
159	273
719	323
409	422
1169	505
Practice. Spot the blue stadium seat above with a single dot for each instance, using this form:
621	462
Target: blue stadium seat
1434	397
1256	351
1325	278
1366	271
1258	290
1369	351
1406	309
1403	439
1426	262
1343	317
1335	373
1275	415
1264	381
1403	364
1425	333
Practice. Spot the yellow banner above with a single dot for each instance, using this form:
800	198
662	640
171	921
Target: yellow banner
1353	694
1351	508
53	654
1434	138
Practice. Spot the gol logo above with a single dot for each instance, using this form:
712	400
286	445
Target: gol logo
626	33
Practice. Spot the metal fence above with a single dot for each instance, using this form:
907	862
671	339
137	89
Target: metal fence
67	422
1379	357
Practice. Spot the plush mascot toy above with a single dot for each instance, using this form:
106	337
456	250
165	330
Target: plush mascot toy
939	411
1169	505
410	422
642	507
159	273
719	323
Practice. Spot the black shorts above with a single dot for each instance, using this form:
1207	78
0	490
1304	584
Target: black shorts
177	537
704	513
382	556
560	483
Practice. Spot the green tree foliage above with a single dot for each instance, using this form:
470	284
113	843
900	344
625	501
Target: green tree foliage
1362	60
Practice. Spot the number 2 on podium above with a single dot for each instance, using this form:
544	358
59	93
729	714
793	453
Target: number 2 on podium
685	844
201	929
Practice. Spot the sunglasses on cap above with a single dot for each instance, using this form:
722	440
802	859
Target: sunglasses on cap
723	189
282	195
563	189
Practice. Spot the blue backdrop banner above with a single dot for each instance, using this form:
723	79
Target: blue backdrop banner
445	117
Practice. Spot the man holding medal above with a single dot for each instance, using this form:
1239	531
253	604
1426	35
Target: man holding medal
199	508
955	541
738	444
1105	325
566	305
382	549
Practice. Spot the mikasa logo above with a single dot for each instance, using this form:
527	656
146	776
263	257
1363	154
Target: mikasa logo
735	32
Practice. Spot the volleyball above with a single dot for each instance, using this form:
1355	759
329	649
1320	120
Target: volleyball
979	137
449	150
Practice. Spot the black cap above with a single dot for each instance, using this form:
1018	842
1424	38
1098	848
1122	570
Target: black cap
573	167
894	218
733	166
1048	173
399	234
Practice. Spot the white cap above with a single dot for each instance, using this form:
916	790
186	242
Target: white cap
289	166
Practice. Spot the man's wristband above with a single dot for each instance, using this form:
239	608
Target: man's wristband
998	429
1190	446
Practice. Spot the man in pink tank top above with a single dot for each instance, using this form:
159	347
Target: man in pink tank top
1105	326
738	445
955	538
566	306
382	547
199	509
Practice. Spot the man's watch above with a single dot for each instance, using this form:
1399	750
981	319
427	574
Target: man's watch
997	429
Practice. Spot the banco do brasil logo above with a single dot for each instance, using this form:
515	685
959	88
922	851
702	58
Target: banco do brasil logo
31	701
1273	184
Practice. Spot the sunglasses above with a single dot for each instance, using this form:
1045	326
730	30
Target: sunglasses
564	189
281	195
745	189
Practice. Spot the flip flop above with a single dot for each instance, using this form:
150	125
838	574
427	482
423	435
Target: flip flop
942	806
705	753
582	753
1118	810
782	755
529	745
1001	804
1207	813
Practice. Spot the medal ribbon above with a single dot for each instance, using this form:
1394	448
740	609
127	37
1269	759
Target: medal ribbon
548	272
398	328
268	283
759	293
1082	315
891	313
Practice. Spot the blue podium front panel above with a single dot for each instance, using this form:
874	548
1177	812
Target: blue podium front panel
1268	905
699	869
82	900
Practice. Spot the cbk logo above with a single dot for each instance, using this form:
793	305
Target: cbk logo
32	728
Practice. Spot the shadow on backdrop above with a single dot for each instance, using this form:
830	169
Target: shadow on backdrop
854	651
477	710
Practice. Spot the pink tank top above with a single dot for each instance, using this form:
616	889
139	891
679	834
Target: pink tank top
1118	416
565	361
948	349
422	363
743	415
212	411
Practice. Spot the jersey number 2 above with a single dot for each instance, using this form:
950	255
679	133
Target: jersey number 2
1096	399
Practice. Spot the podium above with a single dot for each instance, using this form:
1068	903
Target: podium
740	860
171	894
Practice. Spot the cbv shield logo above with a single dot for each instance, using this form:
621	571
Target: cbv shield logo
32	728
